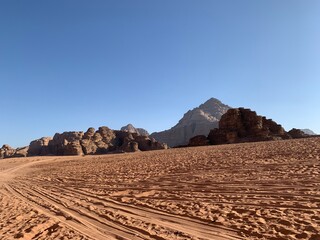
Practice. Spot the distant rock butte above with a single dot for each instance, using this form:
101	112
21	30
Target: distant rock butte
243	125
198	121
102	141
308	131
131	129
297	133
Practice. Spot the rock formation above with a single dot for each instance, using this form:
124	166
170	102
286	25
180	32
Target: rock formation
297	133
131	129
6	151
198	121
308	131
244	125
67	143
21	152
199	140
102	141
39	147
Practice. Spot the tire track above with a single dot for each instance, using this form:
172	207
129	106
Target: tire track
193	227
81	221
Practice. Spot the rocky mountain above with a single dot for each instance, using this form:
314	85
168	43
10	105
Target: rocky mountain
131	129
243	125
102	141
308	131
198	121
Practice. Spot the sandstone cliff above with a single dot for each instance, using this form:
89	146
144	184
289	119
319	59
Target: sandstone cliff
102	141
243	125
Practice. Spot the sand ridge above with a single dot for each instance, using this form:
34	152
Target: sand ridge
268	190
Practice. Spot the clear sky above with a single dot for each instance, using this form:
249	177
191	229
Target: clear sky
72	64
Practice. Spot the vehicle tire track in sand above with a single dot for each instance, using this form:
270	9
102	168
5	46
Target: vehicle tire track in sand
86	217
182	223
79	226
100	226
178	223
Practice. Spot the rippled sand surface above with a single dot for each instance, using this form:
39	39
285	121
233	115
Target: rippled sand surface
267	190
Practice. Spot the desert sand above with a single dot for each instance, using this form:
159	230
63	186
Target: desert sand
266	190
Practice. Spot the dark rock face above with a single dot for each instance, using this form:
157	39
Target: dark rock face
199	140
198	121
297	133
244	125
148	143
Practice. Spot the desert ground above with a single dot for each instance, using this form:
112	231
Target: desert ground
266	190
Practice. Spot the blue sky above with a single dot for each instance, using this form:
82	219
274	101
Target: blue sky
70	65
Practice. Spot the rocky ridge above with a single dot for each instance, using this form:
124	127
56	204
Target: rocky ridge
198	121
243	125
102	141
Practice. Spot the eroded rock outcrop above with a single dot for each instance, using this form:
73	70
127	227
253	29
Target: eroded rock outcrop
67	143
243	125
102	141
297	133
39	147
7	152
21	152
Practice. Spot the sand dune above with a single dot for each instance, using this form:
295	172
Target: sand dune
267	190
